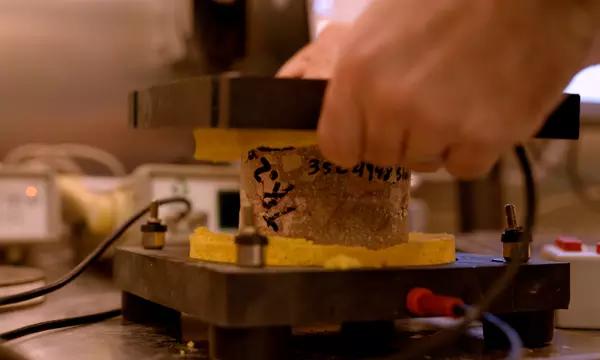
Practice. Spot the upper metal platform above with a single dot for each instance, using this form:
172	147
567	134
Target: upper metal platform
248	102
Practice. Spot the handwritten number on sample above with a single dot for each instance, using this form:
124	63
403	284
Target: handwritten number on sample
379	172
370	170
314	165
388	174
266	166
401	174
271	219
340	170
359	169
279	191
276	194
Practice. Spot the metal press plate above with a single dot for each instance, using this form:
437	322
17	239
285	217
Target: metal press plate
228	295
252	102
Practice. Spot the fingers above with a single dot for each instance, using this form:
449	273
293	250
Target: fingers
295	67
307	64
340	130
427	166
442	94
385	136
316	60
426	147
346	139
469	160
389	135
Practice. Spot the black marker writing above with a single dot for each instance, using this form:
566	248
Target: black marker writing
266	166
363	169
340	170
314	166
370	171
271	219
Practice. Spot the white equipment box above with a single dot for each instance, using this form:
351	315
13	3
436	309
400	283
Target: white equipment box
584	307
29	207
212	189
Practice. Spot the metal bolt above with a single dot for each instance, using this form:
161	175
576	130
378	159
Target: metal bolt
250	244
153	231
154	210
511	216
516	242
247	219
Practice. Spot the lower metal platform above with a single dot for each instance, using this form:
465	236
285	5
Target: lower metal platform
251	311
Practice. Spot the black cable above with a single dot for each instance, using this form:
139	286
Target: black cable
530	190
514	340
59	323
447	336
93	256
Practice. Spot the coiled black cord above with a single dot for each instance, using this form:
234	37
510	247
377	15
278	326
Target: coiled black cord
9	354
58	324
447	336
92	257
513	338
530	189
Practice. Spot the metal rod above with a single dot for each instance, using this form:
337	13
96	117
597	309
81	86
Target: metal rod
247	216
511	216
154	210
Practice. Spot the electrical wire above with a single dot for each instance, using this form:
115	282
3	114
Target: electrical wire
473	313
59	323
530	189
9	354
93	256
513	338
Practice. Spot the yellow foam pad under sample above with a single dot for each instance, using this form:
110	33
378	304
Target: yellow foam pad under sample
230	144
421	249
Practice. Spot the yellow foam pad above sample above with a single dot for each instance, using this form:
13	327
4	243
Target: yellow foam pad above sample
215	144
421	249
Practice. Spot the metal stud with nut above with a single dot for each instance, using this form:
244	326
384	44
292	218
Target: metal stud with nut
153	231
516	241
250	244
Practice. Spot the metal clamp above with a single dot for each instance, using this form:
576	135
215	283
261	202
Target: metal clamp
153	231
516	241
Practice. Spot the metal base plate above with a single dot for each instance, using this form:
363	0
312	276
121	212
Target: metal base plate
230	296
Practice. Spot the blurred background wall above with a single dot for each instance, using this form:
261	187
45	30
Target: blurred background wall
66	67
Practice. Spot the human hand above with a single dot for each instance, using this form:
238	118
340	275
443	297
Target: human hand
317	59
451	83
